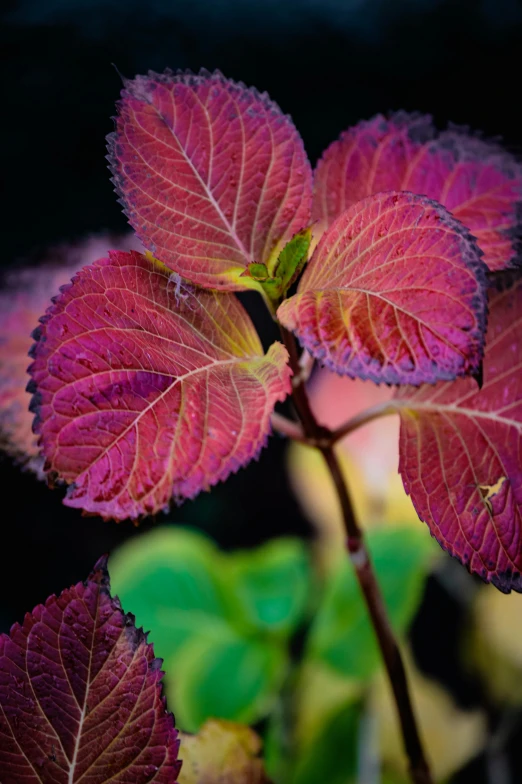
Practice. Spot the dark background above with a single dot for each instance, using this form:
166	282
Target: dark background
328	63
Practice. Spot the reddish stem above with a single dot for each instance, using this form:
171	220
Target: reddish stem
363	417
288	427
324	439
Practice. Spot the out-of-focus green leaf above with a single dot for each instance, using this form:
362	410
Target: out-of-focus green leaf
392	778
233	678
169	577
331	756
268	587
219	620
317	695
342	636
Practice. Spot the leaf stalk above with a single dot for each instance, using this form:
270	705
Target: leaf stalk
363	418
324	440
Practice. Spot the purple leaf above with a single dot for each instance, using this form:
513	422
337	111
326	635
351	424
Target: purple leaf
461	453
476	180
146	388
80	695
394	292
27	294
212	175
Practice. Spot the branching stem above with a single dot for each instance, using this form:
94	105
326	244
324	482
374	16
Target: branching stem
363	417
288	427
325	439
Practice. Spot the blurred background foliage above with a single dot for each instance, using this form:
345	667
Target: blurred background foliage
260	637
247	600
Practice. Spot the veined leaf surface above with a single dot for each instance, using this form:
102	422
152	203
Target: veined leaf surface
211	174
476	180
394	292
80	695
461	454
145	388
27	294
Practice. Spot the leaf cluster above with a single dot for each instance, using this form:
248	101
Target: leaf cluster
149	381
395	261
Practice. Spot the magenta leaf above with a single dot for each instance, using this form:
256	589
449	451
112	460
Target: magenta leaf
80	695
476	180
146	388
461	453
394	292
211	174
27	294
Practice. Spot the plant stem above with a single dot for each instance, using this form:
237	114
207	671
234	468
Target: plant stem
359	556
363	417
312	429
288	427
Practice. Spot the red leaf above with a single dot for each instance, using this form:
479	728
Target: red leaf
80	695
394	292
212	175
146	388
476	180
461	454
26	296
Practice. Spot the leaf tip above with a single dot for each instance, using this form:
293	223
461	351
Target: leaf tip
100	572
124	79
478	375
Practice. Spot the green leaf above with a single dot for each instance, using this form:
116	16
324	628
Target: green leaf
292	258
342	636
219	620
268	588
331	756
299	727
169	577
256	271
272	288
233	678
282	270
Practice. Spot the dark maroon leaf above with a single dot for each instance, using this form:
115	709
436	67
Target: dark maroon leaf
80	695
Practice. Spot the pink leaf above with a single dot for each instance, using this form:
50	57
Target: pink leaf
80	695
212	175
476	180
145	387
461	454
394	292
27	294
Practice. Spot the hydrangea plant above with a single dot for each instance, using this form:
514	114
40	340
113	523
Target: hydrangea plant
396	261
